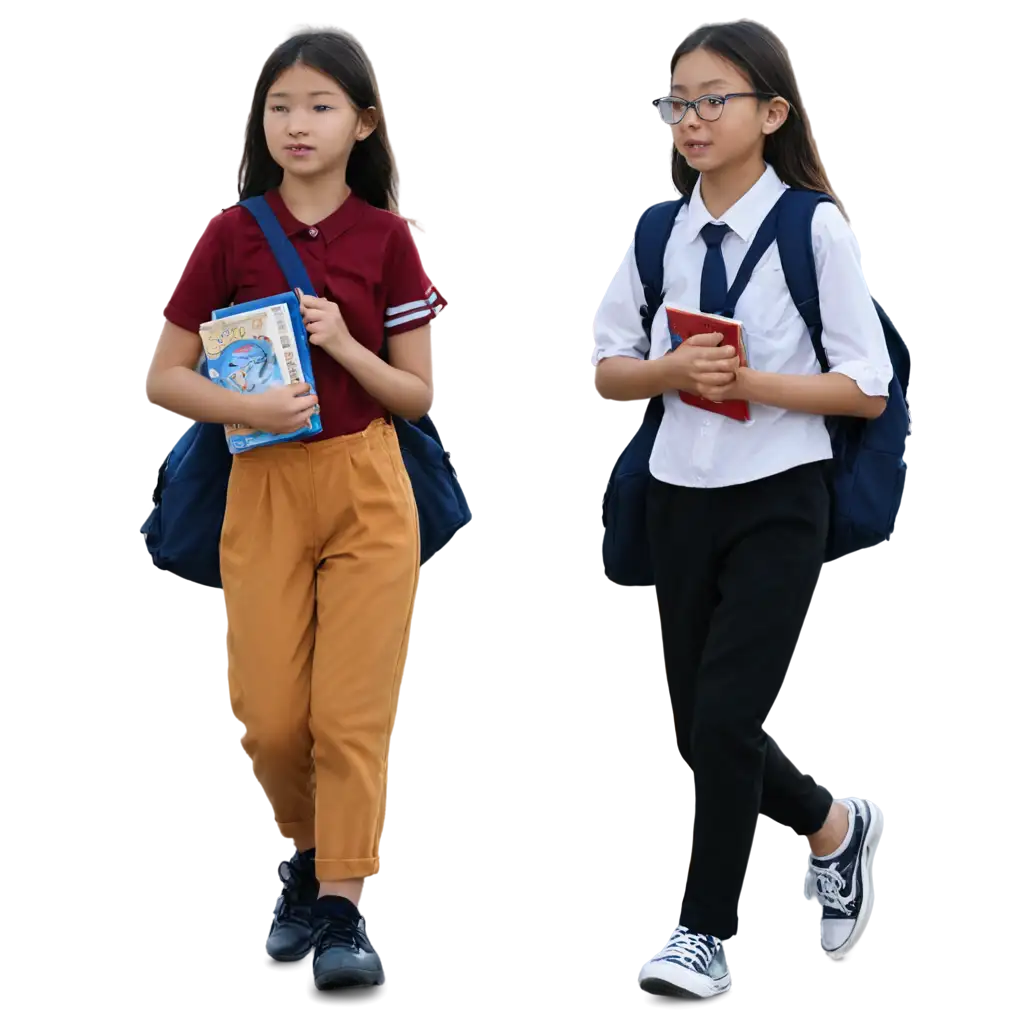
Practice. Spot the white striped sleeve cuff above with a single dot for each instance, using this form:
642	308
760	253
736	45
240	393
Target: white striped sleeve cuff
410	312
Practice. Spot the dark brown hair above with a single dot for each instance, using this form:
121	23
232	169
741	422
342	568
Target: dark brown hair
759	54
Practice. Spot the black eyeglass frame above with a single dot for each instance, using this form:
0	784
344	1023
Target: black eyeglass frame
687	104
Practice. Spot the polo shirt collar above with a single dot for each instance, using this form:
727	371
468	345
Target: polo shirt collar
330	227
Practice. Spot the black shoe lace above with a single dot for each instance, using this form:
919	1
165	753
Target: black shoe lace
291	904
338	931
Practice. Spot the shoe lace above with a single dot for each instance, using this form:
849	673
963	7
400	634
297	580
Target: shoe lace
829	884
694	948
337	931
291	902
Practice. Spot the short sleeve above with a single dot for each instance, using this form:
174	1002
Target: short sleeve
205	284
618	327
851	331
411	300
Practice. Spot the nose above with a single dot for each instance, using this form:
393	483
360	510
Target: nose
689	111
297	126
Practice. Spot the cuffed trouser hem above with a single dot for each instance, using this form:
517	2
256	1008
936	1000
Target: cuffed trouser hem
343	870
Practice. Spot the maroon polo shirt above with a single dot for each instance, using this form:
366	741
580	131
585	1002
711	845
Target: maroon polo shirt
360	257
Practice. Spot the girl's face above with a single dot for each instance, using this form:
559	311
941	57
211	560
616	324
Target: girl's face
743	122
310	123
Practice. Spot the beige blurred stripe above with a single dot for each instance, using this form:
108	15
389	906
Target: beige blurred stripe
531	748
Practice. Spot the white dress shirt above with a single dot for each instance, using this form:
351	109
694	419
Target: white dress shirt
695	448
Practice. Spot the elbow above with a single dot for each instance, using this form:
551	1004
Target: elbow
152	389
601	381
874	407
420	406
157	391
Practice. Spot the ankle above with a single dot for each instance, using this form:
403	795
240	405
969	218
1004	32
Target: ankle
831	835
350	888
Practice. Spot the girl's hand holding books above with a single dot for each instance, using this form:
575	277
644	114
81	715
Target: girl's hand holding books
715	377
325	326
701	361
735	390
280	410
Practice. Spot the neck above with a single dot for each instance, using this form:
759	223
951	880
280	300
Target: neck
722	188
311	200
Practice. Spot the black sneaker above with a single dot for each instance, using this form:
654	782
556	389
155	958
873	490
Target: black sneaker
291	934
691	964
842	883
344	957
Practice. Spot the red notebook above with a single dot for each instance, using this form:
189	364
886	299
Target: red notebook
683	324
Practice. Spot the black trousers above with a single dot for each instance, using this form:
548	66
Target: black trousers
735	570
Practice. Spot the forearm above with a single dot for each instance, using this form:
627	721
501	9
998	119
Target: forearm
399	391
623	379
825	394
189	394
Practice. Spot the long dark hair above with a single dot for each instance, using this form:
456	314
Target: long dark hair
371	172
760	55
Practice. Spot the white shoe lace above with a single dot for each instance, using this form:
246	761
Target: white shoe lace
827	884
693	947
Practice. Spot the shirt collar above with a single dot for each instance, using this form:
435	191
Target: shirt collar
330	227
744	217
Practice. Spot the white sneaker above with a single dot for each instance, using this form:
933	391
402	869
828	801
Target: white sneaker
691	963
842	883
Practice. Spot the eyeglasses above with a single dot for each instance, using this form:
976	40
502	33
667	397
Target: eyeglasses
708	108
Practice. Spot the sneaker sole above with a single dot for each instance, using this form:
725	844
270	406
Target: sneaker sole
293	962
354	980
871	840
695	987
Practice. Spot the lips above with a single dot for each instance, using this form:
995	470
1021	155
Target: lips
299	149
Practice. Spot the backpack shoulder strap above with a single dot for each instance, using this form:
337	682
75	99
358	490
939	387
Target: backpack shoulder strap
649	242
285	253
796	252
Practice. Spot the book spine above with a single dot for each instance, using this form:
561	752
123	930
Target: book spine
290	361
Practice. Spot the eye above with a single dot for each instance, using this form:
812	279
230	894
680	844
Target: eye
714	101
322	106
277	109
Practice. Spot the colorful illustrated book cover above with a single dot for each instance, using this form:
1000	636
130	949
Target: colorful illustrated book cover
255	346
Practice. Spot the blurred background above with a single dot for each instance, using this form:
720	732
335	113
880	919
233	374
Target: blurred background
539	815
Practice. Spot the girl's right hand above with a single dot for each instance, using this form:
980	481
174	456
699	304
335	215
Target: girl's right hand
280	410
701	359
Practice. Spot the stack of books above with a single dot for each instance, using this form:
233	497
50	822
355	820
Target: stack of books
255	346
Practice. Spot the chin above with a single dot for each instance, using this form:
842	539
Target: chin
703	164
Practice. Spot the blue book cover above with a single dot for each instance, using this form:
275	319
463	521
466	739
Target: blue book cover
252	347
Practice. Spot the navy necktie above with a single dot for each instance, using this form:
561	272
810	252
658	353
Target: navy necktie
714	289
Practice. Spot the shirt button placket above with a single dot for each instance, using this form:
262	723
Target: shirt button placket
703	448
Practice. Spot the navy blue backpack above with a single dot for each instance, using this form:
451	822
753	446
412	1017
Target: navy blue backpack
183	531
868	471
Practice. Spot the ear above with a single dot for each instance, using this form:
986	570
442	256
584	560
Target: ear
775	115
368	121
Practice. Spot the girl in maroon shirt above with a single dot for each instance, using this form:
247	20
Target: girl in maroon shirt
320	548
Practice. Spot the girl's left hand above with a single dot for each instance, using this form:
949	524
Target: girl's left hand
325	325
737	390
